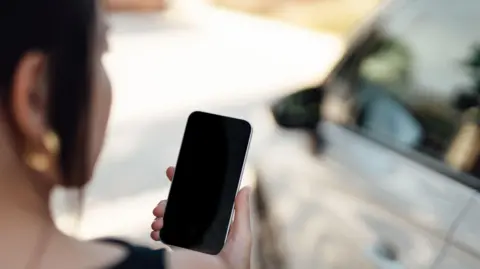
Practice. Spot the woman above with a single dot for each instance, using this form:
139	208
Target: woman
55	100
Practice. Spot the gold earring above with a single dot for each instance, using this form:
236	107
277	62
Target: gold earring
40	162
51	142
37	161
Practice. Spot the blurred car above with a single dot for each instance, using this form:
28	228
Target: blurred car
394	176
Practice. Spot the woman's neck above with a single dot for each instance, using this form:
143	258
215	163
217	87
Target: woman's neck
28	227
23	198
21	193
25	207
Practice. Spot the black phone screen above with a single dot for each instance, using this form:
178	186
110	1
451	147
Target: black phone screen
206	180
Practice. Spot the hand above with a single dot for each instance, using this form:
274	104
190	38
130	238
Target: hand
237	250
159	211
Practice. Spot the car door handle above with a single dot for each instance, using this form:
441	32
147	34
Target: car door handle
384	256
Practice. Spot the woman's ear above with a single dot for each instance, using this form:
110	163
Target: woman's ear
29	97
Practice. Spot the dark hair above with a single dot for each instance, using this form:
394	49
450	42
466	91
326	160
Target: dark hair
63	30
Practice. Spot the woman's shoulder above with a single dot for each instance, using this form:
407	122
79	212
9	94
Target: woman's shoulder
137	256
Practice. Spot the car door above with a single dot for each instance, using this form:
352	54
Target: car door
333	214
463	250
398	145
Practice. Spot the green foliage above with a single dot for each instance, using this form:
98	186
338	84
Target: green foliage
389	65
470	97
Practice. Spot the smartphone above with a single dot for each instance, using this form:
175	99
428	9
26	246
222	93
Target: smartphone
206	180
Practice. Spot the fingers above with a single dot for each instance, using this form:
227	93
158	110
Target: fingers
157	224
241	230
170	171
155	235
159	210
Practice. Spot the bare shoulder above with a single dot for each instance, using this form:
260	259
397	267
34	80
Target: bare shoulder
88	254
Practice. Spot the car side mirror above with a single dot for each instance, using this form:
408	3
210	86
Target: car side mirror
299	110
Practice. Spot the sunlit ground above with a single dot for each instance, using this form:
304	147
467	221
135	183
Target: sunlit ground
339	17
163	66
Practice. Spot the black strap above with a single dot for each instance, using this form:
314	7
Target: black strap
139	257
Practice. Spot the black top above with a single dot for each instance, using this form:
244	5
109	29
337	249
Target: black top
139	257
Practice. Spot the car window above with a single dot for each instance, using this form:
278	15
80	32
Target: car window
417	81
386	119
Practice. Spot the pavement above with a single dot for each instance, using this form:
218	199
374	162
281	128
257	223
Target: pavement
165	65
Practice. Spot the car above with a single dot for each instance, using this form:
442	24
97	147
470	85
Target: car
392	178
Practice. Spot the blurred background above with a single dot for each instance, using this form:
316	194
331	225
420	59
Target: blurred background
168	60
365	117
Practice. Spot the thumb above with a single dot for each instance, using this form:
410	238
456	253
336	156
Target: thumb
241	230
